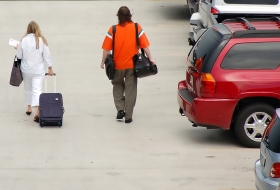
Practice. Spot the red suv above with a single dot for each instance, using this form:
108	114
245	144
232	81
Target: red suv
233	78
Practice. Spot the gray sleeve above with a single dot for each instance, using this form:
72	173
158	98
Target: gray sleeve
47	56
19	51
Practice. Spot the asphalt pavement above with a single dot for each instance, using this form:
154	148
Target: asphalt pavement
159	150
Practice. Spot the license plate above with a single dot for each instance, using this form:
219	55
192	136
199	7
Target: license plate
262	160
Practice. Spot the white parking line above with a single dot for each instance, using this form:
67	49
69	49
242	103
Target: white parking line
172	25
236	189
177	53
230	149
164	0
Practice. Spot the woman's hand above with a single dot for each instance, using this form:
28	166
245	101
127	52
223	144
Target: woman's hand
16	46
50	72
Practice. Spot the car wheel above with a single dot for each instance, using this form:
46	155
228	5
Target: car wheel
191	11
251	122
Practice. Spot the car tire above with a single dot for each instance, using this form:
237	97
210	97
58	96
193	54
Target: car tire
251	122
191	11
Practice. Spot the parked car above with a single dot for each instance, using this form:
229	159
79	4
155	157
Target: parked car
211	12
267	168
233	78
193	6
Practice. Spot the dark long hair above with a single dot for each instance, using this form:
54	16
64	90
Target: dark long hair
124	15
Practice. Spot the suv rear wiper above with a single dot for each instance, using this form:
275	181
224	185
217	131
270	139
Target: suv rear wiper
266	143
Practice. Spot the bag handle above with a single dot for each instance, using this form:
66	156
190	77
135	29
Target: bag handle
114	31
17	61
54	80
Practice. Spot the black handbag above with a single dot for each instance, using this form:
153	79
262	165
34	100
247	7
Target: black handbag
109	62
16	75
143	67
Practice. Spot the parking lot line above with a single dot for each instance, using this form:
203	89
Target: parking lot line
230	149
164	0
236	189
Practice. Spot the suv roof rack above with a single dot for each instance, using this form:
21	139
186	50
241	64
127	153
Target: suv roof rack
251	31
242	19
275	18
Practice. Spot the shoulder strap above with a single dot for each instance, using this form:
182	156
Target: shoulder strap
114	31
137	39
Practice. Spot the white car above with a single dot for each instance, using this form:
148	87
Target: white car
215	11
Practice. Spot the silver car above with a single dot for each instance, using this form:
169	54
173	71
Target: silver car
211	12
267	168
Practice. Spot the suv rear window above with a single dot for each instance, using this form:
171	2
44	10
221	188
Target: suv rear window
253	2
273	138
204	48
253	56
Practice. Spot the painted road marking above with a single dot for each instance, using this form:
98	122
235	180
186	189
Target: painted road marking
172	25
230	149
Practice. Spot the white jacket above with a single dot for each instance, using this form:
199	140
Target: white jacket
33	61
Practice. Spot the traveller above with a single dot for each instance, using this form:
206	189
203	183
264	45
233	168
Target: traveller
125	82
35	56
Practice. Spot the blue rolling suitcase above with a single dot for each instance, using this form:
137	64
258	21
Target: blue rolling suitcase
51	107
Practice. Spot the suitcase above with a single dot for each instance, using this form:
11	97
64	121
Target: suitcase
51	107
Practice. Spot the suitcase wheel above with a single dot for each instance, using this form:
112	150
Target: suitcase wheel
59	123
41	123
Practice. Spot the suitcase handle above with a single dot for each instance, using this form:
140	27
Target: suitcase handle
46	74
54	78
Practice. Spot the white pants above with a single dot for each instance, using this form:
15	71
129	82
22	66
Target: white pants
32	87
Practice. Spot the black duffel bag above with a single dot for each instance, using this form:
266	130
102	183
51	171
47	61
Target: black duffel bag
143	67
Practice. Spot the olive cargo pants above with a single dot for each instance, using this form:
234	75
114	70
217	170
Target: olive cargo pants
125	91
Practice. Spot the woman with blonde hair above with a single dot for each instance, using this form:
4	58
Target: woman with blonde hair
35	57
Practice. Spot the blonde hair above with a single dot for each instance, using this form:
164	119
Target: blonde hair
34	28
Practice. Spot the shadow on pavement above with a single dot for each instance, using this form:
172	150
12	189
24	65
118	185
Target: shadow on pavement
203	136
175	12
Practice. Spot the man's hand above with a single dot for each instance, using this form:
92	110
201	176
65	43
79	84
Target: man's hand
102	65
104	57
153	61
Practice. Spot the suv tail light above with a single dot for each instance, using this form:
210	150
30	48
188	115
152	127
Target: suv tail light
208	83
275	170
214	11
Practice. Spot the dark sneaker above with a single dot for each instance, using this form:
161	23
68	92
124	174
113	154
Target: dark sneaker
128	120
121	114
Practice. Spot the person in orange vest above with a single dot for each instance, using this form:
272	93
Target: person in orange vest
125	82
